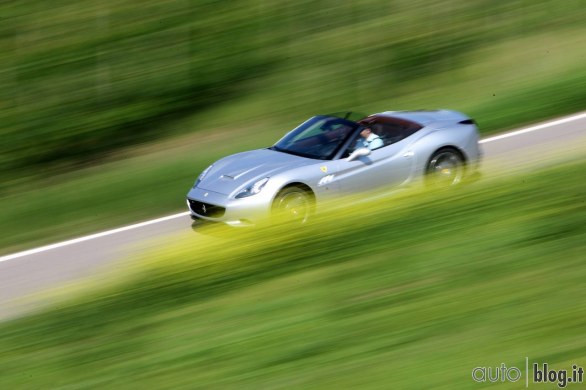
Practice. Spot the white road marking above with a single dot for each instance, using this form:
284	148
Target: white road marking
186	213
534	128
91	237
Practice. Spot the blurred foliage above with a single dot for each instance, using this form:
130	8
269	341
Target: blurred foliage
408	292
83	78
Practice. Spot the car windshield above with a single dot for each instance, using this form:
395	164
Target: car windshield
320	137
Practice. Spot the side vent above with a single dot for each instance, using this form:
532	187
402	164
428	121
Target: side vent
467	122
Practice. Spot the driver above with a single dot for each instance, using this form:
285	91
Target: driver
368	139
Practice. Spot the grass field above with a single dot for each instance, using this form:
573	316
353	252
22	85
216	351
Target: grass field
413	294
120	136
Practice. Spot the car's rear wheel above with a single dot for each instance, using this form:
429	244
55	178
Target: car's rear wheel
445	168
293	204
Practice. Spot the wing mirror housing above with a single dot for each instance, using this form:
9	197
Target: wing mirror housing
360	152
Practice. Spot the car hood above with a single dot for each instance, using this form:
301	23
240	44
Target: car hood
239	170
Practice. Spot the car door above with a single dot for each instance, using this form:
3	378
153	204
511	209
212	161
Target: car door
388	166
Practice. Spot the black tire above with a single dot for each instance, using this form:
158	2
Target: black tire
445	168
293	204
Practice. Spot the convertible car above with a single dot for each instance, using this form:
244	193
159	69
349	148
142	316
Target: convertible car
330	155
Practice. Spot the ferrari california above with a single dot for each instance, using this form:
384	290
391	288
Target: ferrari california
332	155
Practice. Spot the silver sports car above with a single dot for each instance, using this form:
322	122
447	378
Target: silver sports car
329	155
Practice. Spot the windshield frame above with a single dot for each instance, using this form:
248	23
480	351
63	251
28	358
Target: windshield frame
310	126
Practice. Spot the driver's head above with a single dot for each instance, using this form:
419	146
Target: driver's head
365	132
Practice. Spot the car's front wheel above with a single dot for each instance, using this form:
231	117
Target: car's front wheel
293	204
445	168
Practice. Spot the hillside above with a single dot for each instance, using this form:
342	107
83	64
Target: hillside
81	79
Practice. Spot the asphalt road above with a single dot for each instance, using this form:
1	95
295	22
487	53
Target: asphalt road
49	267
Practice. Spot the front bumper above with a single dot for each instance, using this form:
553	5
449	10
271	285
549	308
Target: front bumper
216	207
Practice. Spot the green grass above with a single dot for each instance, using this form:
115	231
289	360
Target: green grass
414	294
120	136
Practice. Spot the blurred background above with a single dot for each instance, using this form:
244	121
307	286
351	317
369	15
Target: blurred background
81	79
109	110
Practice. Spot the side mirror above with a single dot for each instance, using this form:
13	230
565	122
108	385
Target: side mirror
360	152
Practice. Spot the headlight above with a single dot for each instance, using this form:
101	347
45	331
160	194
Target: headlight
202	175
253	189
